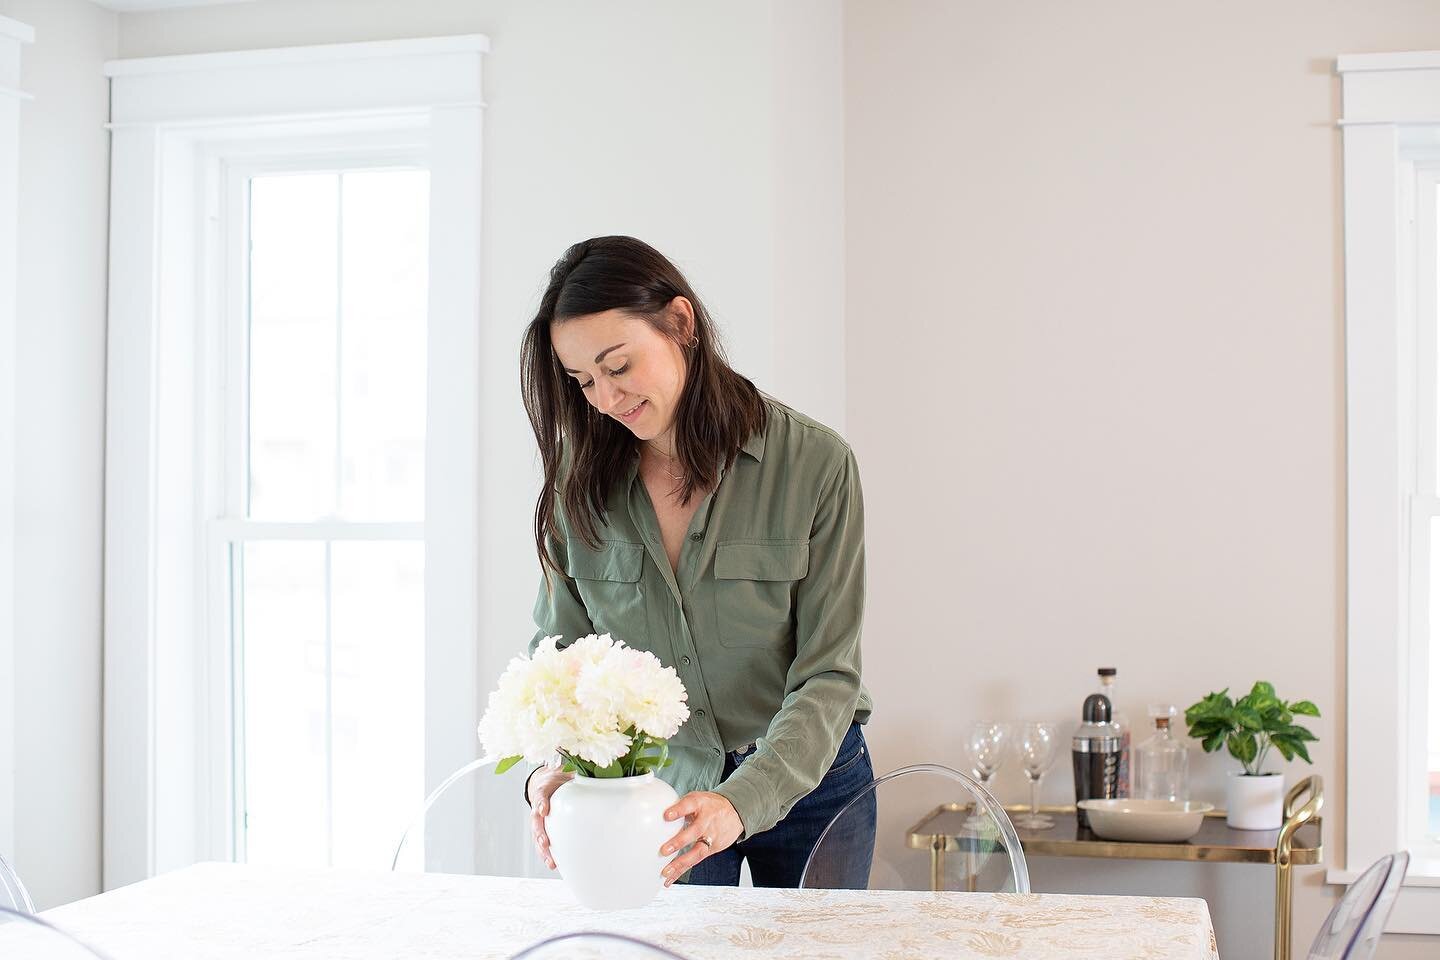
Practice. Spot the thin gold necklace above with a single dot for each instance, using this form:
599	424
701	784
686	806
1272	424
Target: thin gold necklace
679	479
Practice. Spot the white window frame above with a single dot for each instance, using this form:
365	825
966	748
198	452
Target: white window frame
13	36
1391	133
181	126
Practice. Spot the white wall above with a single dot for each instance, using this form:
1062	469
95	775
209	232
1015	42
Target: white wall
1095	374
713	132
59	398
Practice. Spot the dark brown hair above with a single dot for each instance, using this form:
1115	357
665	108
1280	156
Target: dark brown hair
585	453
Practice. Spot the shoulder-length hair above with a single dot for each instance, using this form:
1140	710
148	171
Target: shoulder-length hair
584	453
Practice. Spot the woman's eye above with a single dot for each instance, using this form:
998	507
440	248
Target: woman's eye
616	373
586	386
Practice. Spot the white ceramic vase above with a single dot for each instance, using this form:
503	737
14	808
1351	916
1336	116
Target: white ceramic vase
605	836
1255	803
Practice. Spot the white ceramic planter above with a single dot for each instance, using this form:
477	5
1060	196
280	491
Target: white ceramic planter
1255	803
605	836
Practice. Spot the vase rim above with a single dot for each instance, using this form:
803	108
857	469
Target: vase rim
635	778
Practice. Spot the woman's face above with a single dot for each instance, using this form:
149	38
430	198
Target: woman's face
624	367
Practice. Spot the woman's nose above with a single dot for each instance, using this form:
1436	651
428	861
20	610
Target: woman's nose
606	395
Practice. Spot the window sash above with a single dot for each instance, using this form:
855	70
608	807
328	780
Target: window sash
177	125
1419	276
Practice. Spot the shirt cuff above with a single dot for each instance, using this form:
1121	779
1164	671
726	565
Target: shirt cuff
752	801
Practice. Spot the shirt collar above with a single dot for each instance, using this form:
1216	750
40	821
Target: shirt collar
755	446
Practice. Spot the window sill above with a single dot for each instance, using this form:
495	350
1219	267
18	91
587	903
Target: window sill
1417	909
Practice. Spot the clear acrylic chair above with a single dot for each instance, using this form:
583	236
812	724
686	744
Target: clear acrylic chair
474	822
1353	929
12	892
595	945
935	829
26	935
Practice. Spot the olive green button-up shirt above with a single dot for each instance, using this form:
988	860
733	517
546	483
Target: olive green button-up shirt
761	618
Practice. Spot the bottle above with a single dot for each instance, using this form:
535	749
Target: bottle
1095	753
1161	762
1122	724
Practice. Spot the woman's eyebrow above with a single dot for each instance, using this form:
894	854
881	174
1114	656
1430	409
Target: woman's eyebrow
598	357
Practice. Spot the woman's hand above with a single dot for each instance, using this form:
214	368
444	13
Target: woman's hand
707	815
543	783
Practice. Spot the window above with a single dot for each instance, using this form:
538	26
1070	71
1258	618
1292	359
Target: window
323	538
292	450
1392	271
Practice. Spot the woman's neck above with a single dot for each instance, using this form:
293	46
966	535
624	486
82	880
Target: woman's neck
663	445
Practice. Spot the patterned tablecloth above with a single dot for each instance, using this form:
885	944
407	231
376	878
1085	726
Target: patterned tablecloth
229	911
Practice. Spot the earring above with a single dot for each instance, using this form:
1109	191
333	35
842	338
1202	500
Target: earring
694	342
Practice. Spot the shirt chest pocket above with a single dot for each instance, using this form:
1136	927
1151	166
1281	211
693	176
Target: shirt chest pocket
755	584
608	580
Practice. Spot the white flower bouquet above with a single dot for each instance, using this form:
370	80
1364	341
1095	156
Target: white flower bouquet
597	707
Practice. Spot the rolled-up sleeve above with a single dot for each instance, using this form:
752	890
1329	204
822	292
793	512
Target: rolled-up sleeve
822	686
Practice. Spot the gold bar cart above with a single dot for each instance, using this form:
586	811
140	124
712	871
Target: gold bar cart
1297	843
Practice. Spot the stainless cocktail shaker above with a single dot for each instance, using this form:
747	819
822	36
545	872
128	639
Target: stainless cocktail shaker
1095	749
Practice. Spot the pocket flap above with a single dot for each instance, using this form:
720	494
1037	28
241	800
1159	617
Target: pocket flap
762	560
615	560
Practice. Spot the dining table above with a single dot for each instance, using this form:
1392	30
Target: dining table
219	911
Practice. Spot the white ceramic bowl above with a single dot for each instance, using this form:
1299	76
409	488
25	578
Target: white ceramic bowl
1146	821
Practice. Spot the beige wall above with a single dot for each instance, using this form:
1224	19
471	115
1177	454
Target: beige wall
1095	373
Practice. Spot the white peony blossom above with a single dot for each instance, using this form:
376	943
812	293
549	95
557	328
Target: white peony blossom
580	701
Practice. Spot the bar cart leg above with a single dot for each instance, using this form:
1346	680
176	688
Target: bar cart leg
937	863
1283	901
1296	816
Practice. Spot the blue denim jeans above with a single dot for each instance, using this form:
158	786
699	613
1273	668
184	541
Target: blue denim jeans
777	856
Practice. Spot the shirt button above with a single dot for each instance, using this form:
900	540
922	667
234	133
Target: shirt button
696	537
719	752
700	713
685	660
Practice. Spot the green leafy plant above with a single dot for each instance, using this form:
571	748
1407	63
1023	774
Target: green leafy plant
1250	726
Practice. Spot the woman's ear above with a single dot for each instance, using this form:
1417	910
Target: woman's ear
682	318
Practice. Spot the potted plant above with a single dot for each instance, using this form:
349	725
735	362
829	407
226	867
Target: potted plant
604	712
1248	728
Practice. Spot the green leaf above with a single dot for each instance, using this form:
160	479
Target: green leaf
1262	689
668	761
1214	742
611	772
1242	747
1249	719
1298	732
507	763
1302	753
569	767
1305	708
1285	745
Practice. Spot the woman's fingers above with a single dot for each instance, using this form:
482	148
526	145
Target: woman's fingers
676	868
541	788
542	839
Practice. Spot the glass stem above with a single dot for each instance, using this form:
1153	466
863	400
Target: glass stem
1035	797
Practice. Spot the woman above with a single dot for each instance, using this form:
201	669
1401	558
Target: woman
688	515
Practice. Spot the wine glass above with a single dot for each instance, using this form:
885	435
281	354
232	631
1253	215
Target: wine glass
1039	744
986	747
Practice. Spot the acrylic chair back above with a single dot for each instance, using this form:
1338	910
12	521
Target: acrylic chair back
474	822
1353	929
34	938
588	944
12	892
935	829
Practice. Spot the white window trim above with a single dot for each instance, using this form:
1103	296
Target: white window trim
176	122
1391	133
13	36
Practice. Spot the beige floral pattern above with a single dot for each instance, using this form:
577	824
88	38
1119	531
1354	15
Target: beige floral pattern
228	912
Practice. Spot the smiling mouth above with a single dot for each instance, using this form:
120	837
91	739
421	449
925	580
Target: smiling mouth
632	410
